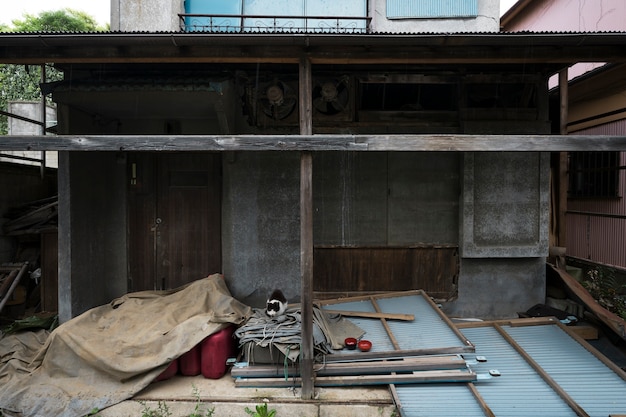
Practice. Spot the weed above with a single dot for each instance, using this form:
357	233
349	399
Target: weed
198	411
261	411
161	411
605	289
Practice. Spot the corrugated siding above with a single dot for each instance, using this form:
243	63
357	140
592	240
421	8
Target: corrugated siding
429	331
438	400
590	383
597	238
519	391
402	9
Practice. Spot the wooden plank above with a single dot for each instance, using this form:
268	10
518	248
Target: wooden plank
613	321
14	284
371	315
481	401
356	367
307	355
331	142
418	377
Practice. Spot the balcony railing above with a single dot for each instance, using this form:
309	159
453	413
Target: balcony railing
191	22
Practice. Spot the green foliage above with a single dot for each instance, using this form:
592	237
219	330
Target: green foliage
261	411
198	411
161	411
64	20
21	82
605	289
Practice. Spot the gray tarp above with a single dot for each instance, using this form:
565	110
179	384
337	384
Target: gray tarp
111	352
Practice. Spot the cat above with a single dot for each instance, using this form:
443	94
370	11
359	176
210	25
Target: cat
276	304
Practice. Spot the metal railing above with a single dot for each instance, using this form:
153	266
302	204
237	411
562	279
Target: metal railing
191	22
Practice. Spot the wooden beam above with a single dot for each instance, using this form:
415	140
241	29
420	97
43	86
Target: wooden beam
372	315
363	380
307	354
426	363
309	142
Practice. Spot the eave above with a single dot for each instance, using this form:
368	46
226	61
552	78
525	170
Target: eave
406	48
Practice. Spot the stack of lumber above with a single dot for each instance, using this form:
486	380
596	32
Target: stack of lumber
410	370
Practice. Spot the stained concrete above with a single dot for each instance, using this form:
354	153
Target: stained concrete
183	395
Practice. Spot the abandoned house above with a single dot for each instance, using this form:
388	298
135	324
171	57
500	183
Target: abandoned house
324	148
182	138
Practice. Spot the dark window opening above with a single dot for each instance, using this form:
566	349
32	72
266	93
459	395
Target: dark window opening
409	97
594	174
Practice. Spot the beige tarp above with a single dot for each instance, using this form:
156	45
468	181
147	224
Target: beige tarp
111	352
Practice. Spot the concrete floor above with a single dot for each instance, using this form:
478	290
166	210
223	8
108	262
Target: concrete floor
184	395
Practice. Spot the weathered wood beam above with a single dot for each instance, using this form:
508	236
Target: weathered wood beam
307	354
328	142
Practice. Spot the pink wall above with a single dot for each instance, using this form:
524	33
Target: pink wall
570	15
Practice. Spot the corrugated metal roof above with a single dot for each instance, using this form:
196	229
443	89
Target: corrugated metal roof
594	387
591	383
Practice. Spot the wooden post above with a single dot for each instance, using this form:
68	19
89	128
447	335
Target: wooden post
563	177
306	233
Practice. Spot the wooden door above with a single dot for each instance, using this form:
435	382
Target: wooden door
174	219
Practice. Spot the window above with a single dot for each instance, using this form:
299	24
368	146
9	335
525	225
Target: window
594	174
410	9
276	15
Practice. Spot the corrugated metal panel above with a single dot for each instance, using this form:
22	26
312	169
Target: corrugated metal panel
429	331
519	391
437	400
592	384
401	9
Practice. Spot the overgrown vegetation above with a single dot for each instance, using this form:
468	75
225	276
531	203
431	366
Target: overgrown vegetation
261	411
606	290
21	82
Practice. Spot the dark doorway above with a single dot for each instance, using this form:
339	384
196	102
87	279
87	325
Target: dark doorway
174	219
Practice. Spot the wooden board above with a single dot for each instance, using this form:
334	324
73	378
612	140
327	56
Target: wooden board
613	321
361	380
356	367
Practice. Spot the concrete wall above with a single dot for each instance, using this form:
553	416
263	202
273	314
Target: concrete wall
92	230
162	15
261	224
504	243
501	227
146	15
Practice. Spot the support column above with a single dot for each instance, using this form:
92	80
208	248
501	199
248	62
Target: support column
306	233
563	176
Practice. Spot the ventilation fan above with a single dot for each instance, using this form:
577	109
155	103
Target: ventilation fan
331	96
278	100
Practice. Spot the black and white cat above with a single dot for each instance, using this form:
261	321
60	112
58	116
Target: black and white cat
276	304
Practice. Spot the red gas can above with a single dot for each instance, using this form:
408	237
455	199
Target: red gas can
168	372
215	350
189	363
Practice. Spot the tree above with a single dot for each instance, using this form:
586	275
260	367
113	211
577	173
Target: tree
19	82
65	20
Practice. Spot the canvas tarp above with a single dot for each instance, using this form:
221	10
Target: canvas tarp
111	352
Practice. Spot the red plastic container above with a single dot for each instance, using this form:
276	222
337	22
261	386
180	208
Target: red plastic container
189	363
169	372
215	350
